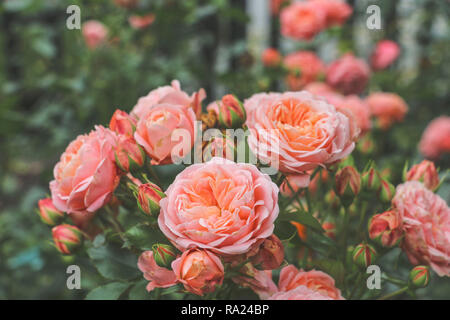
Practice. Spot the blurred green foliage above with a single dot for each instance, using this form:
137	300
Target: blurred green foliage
53	88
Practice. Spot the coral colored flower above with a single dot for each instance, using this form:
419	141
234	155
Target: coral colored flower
348	74
299	293
296	132
122	123
200	271
426	173
384	54
94	33
86	175
304	67
67	238
302	20
360	110
435	140
386	227
388	108
219	205
169	95
293	183
426	223
140	22
336	11
159	277
271	57
166	132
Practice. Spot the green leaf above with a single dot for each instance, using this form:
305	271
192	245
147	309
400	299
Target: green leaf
143	236
139	291
114	263
110	291
304	218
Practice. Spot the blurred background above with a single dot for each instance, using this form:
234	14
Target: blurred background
54	87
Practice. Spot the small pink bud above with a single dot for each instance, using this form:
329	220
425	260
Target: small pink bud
426	173
67	238
149	195
348	184
122	123
231	112
271	57
330	229
419	277
164	254
364	255
48	212
129	155
387	191
270	254
371	180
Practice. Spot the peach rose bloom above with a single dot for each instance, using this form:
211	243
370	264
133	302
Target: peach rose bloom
304	67
156	132
426	223
348	74
384	54
388	108
318	281
86	175
219	205
426	173
386	226
94	33
271	57
140	22
299	293
336	11
200	271
169	95
302	20
435	140
296	131
159	277
360	110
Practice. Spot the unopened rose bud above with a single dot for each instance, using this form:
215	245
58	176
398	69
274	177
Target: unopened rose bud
366	145
385	228
387	191
48	212
149	195
231	112
364	255
424	172
419	277
122	123
271	57
348	184
129	155
332	199
223	147
164	254
371	180
330	229
67	238
270	254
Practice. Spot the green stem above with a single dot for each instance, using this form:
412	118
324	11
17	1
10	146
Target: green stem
153	174
393	294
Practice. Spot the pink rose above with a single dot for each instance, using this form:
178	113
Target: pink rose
304	67
159	277
336	11
348	74
299	293
94	33
200	271
386	227
426	223
388	108
140	22
359	108
296	132
384	54
435	140
219	205
320	282
271	57
156	132
169	95
86	175
302	20
426	173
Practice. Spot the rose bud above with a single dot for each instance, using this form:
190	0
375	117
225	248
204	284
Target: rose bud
387	191
48	212
126	3
164	254
424	172
199	270
385	228
364	255
222	147
419	277
122	123
332	200
128	154
330	229
371	180
270	254
271	57
231	112
67	238
148	196
348	184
